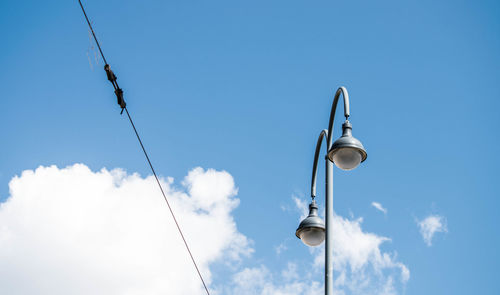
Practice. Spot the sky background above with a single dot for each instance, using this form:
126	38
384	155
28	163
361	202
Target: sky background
247	87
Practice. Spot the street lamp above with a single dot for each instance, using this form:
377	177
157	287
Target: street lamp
312	229
347	153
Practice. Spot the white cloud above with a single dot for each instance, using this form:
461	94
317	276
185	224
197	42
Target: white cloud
303	207
379	207
431	225
74	231
281	248
259	280
290	273
360	266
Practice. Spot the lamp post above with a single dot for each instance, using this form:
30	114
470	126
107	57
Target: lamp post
347	153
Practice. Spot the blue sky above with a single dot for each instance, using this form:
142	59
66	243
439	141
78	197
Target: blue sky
247	87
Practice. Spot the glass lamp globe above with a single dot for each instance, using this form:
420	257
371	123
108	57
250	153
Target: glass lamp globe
347	158
347	152
312	229
312	236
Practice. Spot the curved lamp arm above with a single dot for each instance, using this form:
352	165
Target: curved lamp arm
323	134
327	134
345	95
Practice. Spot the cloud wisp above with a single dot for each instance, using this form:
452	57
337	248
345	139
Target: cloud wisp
379	207
431	225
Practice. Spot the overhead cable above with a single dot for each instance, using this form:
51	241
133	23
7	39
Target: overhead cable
120	100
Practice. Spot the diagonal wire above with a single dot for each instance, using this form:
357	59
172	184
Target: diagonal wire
166	200
149	161
92	30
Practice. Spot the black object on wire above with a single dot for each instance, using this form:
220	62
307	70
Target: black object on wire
119	95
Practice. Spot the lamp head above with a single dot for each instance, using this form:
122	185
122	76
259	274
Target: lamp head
312	229
347	152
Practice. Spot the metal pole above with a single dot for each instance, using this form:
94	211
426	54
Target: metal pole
329	227
328	186
329	191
